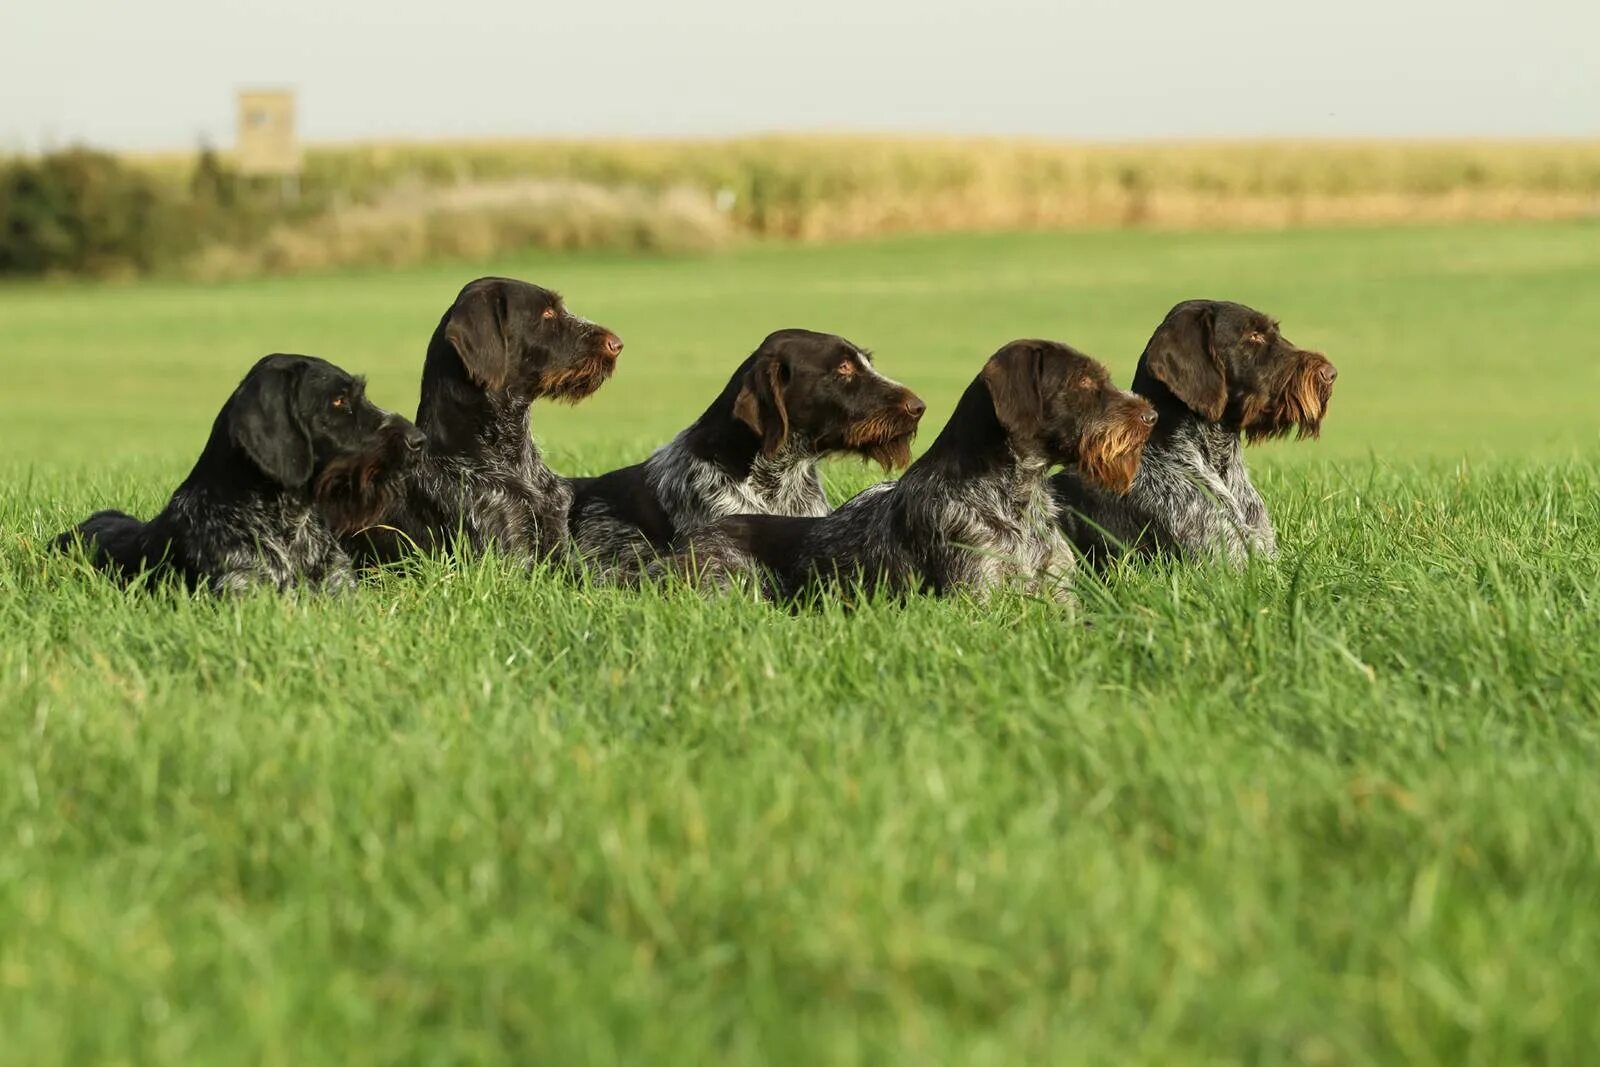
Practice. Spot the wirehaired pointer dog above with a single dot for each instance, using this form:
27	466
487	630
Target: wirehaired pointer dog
1214	371
297	456
799	397
974	512
482	482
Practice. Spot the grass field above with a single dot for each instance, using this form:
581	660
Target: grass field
1341	809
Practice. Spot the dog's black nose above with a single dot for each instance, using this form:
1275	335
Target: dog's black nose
915	407
415	439
612	344
1148	416
1327	372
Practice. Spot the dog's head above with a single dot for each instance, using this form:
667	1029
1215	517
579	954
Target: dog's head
304	422
520	340
823	390
1230	366
1058	405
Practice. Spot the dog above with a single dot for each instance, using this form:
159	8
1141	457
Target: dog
481	481
799	397
970	515
297	456
1214	371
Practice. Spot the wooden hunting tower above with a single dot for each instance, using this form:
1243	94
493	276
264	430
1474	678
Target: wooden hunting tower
266	144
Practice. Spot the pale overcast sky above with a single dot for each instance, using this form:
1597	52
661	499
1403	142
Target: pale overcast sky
162	73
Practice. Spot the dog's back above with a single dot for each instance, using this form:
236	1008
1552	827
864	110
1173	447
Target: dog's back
789	555
618	511
764	549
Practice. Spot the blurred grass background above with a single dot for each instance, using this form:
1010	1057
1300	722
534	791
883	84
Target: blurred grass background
1452	340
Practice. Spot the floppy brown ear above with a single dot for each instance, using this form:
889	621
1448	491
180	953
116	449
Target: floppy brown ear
264	421
1182	357
1021	378
477	330
759	404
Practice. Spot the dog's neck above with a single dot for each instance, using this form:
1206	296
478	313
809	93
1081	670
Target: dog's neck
719	438
462	419
974	446
696	481
225	474
1178	429
974	488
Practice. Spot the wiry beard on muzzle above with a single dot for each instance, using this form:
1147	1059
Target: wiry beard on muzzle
1300	405
1109	452
572	384
884	438
355	491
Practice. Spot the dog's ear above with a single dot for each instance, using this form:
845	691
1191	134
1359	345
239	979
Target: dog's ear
1022	377
1182	356
264	420
760	403
477	330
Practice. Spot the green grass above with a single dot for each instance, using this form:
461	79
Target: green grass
1340	809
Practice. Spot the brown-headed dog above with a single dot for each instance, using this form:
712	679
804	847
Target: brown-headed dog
482	482
1215	371
799	397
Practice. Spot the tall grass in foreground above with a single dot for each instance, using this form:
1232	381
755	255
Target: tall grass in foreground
1342	808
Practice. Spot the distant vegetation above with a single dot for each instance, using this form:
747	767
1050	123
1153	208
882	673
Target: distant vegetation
395	204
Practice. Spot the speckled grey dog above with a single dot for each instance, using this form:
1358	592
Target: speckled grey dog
482	481
296	456
1214	371
799	397
973	513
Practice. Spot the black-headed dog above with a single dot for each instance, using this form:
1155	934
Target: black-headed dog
297	456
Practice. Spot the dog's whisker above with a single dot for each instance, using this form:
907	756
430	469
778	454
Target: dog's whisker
1110	452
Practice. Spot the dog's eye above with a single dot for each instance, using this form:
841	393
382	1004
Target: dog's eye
549	313
847	368
1086	382
340	403
1256	337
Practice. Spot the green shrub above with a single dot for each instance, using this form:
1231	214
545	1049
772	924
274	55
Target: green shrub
84	212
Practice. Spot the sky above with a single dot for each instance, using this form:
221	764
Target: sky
154	74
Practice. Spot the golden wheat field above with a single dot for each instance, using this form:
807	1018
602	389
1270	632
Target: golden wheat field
829	186
402	203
